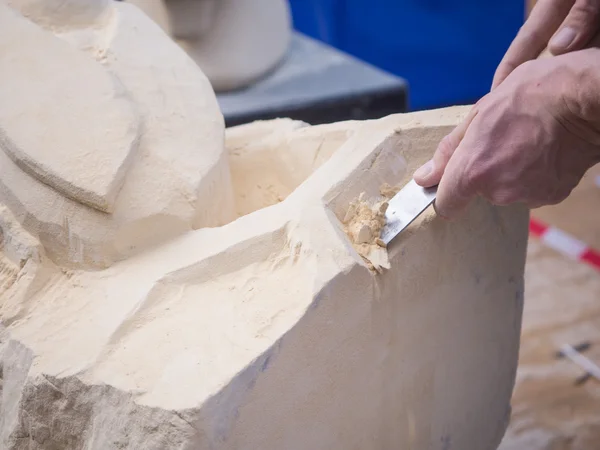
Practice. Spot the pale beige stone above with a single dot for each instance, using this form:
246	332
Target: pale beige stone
64	14
271	332
222	304
79	141
235	42
179	139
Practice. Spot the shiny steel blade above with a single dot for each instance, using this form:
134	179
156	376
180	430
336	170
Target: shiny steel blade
405	207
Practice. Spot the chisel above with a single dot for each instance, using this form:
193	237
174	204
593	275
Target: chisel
404	208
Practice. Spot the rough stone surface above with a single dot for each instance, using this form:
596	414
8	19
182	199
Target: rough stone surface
220	304
179	139
79	141
272	332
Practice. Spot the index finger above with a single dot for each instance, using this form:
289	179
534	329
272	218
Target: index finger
534	35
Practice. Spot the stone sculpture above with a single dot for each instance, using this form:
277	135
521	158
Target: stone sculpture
235	42
168	284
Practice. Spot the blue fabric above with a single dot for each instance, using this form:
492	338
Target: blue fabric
447	50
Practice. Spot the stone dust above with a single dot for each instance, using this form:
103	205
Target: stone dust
388	191
363	223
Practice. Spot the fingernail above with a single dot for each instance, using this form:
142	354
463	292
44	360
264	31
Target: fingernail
424	170
563	38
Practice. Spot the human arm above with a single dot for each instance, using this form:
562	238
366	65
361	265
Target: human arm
528	141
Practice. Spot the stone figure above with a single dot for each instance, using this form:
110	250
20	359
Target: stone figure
235	42
169	284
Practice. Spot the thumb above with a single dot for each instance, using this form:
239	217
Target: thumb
431	172
580	25
457	186
455	191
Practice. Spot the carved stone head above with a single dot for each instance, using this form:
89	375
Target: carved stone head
111	139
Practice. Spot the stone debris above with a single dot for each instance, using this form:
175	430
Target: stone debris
363	223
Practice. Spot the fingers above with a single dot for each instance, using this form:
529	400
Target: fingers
581	24
431	172
454	192
532	39
455	189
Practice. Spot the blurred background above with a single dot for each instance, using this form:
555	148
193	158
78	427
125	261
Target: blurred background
447	51
329	60
371	58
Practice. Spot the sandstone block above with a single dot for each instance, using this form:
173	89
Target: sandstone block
272	332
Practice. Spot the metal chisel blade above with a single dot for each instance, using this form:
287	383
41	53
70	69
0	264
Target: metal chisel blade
404	208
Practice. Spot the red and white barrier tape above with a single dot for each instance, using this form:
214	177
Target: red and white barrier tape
565	243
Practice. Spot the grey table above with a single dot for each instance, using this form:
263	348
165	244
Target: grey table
317	84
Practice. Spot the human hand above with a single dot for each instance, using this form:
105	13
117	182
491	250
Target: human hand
528	141
560	25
